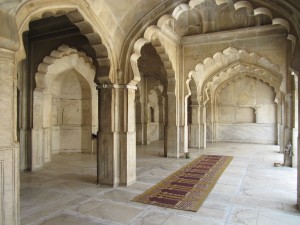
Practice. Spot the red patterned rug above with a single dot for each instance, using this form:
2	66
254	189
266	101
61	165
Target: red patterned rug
188	187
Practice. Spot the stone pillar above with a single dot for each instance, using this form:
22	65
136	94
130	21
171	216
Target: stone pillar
295	122
278	113
184	130
108	156
9	149
172	146
128	136
142	124
203	126
161	118
288	128
195	127
37	155
139	116
116	135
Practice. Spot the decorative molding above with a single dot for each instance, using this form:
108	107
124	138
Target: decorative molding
64	55
230	58
244	70
81	16
194	11
152	36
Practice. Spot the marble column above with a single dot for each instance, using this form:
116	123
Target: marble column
108	156
161	117
195	127
9	149
295	122
288	127
278	114
37	155
116	135
142	123
172	133
203	126
128	136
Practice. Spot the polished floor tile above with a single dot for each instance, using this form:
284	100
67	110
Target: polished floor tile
251	191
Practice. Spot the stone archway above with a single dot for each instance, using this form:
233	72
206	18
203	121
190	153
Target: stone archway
171	136
225	67
80	15
65	105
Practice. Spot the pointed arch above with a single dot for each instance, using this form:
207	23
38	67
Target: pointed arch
151	36
60	60
211	68
54	107
80	15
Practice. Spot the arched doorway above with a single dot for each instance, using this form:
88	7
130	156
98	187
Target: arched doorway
65	106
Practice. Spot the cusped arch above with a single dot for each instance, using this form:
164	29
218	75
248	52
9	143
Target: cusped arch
151	36
258	73
230	57
220	80
61	60
79	14
192	15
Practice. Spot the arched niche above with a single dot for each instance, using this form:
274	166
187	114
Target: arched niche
250	116
65	112
224	67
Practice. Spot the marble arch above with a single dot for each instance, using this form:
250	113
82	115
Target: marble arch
50	77
119	25
79	15
230	57
196	17
224	66
152	35
233	71
248	113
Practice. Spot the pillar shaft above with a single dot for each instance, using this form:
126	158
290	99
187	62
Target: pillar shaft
9	149
116	135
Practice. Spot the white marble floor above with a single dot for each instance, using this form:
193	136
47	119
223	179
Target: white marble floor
251	191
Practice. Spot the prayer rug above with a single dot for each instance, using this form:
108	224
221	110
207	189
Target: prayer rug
188	187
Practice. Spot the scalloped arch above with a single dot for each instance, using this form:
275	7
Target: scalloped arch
229	61
232	73
190	11
229	56
248	69
151	36
80	16
60	60
241	76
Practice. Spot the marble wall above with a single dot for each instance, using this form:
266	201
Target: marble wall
249	116
71	114
9	149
